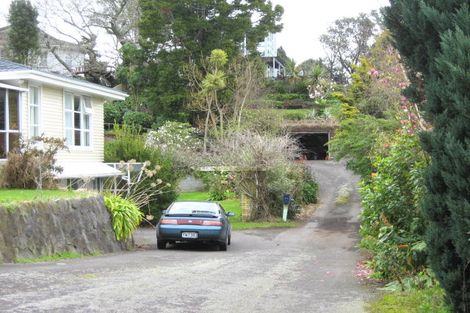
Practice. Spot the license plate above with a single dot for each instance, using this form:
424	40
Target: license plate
189	235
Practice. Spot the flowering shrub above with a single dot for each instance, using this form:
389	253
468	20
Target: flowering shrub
173	137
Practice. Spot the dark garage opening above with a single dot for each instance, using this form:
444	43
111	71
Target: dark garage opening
314	145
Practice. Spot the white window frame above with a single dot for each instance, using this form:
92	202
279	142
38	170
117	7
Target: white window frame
7	131
39	111
85	109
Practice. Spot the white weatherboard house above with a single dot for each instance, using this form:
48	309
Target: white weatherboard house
34	102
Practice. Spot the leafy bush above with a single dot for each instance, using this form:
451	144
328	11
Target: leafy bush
310	191
219	184
138	119
114	112
130	145
126	215
32	165
356	138
392	225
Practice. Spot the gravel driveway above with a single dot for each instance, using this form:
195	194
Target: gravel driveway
307	269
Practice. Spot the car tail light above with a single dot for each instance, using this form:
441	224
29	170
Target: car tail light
212	223
168	222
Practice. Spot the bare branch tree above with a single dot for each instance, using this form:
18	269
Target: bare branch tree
346	41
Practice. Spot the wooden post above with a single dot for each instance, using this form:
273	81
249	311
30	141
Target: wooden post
245	203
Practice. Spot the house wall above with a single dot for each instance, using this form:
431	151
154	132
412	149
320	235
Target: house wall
52	122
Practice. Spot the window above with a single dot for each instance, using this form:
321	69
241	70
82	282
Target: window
9	120
78	112
34	112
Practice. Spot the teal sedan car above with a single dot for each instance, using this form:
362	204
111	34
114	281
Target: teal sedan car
195	221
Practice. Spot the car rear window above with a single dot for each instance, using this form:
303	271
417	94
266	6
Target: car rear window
193	208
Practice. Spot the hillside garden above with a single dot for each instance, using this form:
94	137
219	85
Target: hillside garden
396	88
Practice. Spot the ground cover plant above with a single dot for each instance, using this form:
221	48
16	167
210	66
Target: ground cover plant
415	301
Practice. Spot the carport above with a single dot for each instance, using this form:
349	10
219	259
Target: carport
314	144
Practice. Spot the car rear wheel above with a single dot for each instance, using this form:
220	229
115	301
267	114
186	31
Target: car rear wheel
161	244
223	245
229	239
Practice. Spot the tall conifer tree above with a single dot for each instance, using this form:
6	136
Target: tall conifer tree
23	36
434	38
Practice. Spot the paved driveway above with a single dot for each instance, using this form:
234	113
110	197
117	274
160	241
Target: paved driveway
308	269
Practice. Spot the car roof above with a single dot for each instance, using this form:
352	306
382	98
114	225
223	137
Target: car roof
202	201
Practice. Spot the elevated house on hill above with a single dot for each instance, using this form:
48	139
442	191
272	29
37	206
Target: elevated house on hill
55	55
268	51
34	102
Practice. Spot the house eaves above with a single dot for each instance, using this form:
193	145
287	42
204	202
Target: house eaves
71	84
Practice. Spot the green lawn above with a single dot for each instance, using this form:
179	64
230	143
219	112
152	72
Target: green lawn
233	205
14	196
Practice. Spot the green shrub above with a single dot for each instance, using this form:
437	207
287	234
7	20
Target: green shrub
130	145
392	224
138	119
114	112
126	216
310	191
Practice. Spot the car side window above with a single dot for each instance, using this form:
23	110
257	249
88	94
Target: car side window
222	211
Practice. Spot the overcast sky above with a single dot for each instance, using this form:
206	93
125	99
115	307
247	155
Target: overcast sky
304	21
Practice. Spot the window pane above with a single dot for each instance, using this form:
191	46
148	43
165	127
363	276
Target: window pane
87	101
76	103
77	138
3	146
14	141
86	121
34	96
87	104
14	110
69	137
68	101
2	109
68	120
77	123
86	139
34	115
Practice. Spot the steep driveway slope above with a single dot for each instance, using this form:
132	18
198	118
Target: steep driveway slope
307	269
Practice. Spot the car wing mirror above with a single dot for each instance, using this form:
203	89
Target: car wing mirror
164	212
230	214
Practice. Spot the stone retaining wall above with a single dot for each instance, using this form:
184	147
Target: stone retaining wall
40	229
